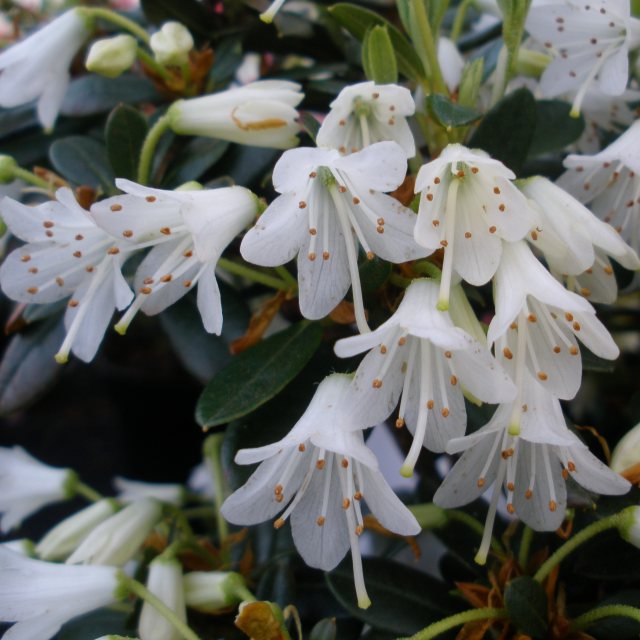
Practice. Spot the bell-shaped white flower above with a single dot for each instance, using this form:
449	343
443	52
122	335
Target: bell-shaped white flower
420	353
329	204
191	230
365	113
165	582
468	205
213	591
41	596
568	234
260	114
66	255
38	66
65	537
132	490
111	57
172	44
539	321
116	540
533	466
590	40
627	452
27	485
321	472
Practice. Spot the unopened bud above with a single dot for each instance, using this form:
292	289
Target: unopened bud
171	45
629	525
213	591
112	56
7	169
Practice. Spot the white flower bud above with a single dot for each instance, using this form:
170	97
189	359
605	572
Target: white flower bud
627	451
629	526
68	534
212	591
165	582
171	45
116	540
112	56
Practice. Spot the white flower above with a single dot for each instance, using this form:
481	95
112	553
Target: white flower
212	591
66	255
111	57
533	466
569	234
329	204
132	490
627	452
365	113
451	63
420	353
165	582
41	596
172	44
591	40
542	320
323	471
260	114
118	538
468	205
61	541
27	485
38	67
191	230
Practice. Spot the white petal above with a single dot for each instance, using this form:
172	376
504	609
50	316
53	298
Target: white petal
595	476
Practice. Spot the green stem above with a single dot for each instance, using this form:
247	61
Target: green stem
474	525
456	620
138	589
525	545
622	610
426	45
283	272
253	274
32	178
458	21
212	450
117	19
399	281
87	492
150	62
149	147
581	537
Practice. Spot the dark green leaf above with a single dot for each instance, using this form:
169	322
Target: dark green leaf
17	119
555	128
324	630
34	312
257	374
96	624
124	134
617	627
310	124
404	605
93	94
373	274
506	132
450	114
526	603
358	21
28	367
227	60
608	558
83	161
195	159
592	362
202	353
190	13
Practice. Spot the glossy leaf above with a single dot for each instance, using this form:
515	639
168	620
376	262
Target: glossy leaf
404	605
555	128
326	629
190	13
526	603
506	132
194	160
450	114
358	21
95	624
124	134
257	374
83	161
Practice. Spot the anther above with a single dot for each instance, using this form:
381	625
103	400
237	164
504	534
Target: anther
552	505
79	237
32	290
510	508
492	229
359	530
166	278
576	326
146	290
312	256
507	453
502	208
150	198
77	254
60	281
571	466
506	352
542	375
186	283
453	380
49	234
429	197
511	486
320	464
89	269
320	521
528	494
302	204
47	224
467	234
188	253
370	255
113	251
165	231
127	233
313	174
278	490
565	474
301	447
474	170
444	243
447	354
313	231
357	495
278	523
342	189
377	383
346	503
399	423
326	255
436	180
73	303
532	317
557	349
380	221
402	341
445	412
430	404
436	223
344	462
356	200
279	498
116	207
25	258
33	270
496	190
534	235
383	349
568	316
380	229
148	280
481	482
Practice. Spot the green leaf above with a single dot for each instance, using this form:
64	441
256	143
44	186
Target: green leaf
506	132
203	354
125	132
96	624
324	630
404	605
17	119
378	58
373	274
526	603
83	161
28	368
470	83
555	128
257	374
190	13
514	14
93	94
450	114
194	160
228	58
617	627
310	124
358	21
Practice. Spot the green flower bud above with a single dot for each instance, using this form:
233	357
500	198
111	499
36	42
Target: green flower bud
171	45
112	56
7	169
